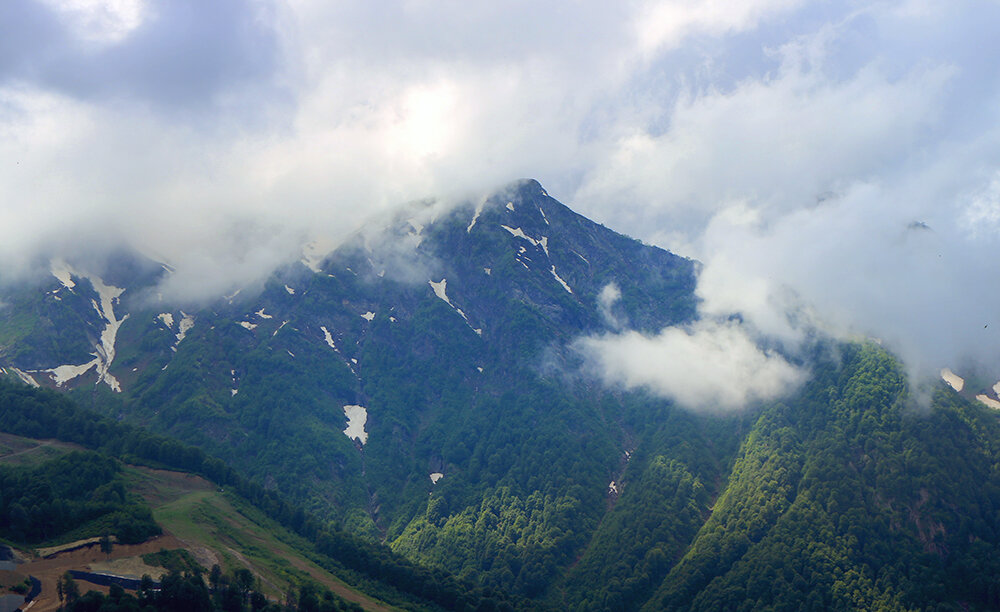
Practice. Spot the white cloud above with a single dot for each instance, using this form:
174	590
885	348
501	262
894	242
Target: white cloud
859	264
101	21
705	366
780	140
666	23
786	144
606	299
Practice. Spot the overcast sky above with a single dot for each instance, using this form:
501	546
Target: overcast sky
836	160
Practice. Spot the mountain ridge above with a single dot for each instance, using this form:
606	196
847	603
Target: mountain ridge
418	386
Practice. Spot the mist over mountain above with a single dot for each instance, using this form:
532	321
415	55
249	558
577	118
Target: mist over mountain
735	345
786	146
506	391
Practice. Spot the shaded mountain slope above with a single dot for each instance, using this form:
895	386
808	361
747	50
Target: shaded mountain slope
418	387
852	497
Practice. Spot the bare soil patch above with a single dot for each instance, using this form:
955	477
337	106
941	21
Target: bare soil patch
48	571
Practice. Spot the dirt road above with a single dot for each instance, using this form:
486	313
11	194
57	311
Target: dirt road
48	571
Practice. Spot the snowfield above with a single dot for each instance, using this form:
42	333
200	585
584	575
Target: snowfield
357	416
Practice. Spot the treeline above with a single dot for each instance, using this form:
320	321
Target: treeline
80	494
41	413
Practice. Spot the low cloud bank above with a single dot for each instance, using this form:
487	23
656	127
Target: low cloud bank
707	365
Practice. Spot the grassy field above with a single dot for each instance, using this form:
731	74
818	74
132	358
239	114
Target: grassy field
17	451
217	527
214	526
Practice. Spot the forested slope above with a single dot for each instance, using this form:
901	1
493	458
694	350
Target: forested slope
853	496
84	489
418	390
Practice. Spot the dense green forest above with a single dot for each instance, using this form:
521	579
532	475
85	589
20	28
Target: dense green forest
494	468
852	494
75	496
855	496
855	493
40	413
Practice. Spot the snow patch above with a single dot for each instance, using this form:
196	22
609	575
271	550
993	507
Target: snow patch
475	217
544	218
478	330
289	290
24	376
66	373
488	271
561	281
260	313
996	389
480	368
187	322
329	341
62	271
989	401
312	256
954	380
418	228
612	488
283	323
435	477
519	233
106	349
167	318
369	316
290	353
510	206
248	325
229	298
328	338
393	319
440	290
233	392
357	416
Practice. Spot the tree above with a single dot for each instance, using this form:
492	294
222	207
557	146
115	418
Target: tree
69	589
215	576
106	545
